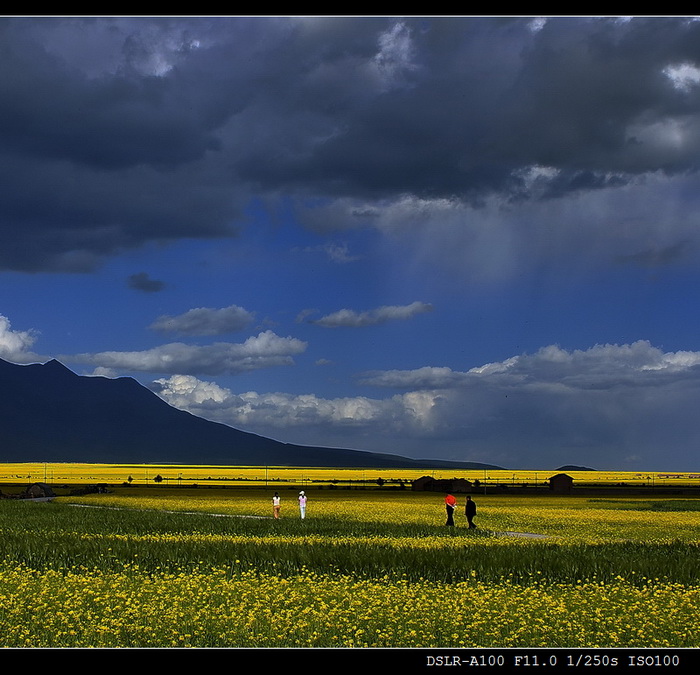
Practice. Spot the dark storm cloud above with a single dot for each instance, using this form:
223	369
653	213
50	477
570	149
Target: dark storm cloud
115	120
115	132
454	107
103	149
142	282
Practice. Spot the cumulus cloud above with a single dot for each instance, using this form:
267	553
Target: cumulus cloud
15	344
601	406
351	318
183	391
264	351
278	410
601	366
324	362
684	76
204	321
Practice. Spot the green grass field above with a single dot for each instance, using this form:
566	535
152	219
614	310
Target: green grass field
153	567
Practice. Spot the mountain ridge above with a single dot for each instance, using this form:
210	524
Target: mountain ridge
48	413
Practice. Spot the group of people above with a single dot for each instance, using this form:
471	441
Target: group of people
276	504
450	505
469	510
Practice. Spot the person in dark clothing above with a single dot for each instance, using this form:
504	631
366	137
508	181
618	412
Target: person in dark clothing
470	511
450	506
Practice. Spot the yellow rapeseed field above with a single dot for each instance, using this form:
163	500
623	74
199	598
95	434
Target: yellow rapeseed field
137	608
176	567
282	477
572	519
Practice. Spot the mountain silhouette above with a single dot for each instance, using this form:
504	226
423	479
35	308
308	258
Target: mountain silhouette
48	413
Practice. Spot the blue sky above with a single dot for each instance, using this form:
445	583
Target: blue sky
461	238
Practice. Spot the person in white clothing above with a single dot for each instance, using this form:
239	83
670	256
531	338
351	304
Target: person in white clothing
302	504
276	506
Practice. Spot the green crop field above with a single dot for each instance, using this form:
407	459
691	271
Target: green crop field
154	567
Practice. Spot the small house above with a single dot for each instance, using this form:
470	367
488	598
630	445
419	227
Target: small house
561	484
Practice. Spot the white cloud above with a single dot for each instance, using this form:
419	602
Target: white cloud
104	372
536	25
15	344
395	58
683	75
264	351
324	362
204	321
275	410
182	391
610	406
351	318
600	366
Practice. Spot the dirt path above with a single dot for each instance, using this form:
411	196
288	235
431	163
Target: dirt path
189	513
524	535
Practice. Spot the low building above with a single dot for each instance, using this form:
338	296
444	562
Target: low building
39	491
452	485
561	484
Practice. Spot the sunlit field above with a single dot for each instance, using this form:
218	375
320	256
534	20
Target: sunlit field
169	566
281	477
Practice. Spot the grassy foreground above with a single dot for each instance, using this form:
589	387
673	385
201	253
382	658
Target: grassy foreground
364	569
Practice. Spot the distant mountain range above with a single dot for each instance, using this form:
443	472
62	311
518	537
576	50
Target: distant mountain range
50	414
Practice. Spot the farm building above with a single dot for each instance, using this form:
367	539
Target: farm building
38	491
562	483
430	484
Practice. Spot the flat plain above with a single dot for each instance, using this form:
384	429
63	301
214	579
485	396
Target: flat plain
286	476
167	566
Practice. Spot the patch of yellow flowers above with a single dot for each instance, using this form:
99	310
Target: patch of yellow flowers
566	519
136	608
137	604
